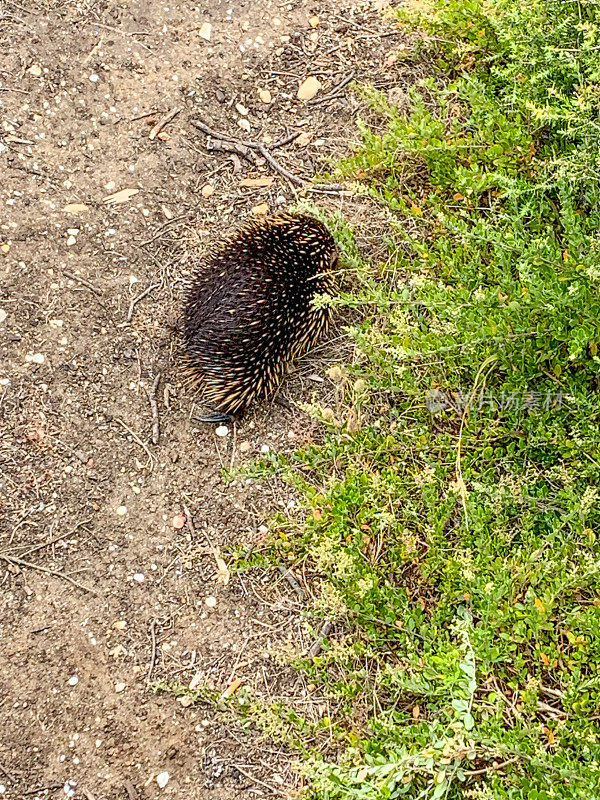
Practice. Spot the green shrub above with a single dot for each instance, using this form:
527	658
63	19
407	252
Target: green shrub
450	517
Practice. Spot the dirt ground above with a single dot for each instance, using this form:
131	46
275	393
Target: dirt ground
109	527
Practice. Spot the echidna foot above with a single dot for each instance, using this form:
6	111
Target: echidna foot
281	400
216	418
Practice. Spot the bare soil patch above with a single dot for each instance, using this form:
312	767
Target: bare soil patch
101	593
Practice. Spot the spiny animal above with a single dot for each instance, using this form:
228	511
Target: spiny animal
249	309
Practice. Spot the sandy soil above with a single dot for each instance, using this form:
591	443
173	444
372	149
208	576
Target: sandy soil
103	593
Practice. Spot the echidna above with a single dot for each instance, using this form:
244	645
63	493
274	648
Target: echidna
249	310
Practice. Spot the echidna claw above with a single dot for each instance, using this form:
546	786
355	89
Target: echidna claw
218	418
281	400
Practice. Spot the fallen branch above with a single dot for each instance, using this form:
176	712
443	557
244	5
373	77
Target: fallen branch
244	147
16	561
277	166
220	146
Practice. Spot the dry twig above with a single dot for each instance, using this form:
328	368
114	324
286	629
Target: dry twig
5	772
154	408
137	299
122	33
258	781
83	282
288	575
163	123
130	789
317	645
16	561
336	91
150	463
153	655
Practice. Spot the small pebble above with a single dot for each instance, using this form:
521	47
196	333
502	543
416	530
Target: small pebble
94	78
119	687
207	190
210	601
265	96
162	779
37	358
241	109
244	447
122	510
244	124
35	70
205	33
265	448
185	700
71	241
73	680
309	88
197	679
138	577
222	430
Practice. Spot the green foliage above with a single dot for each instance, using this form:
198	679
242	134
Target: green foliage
449	518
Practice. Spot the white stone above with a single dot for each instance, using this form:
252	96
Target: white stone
205	33
162	779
